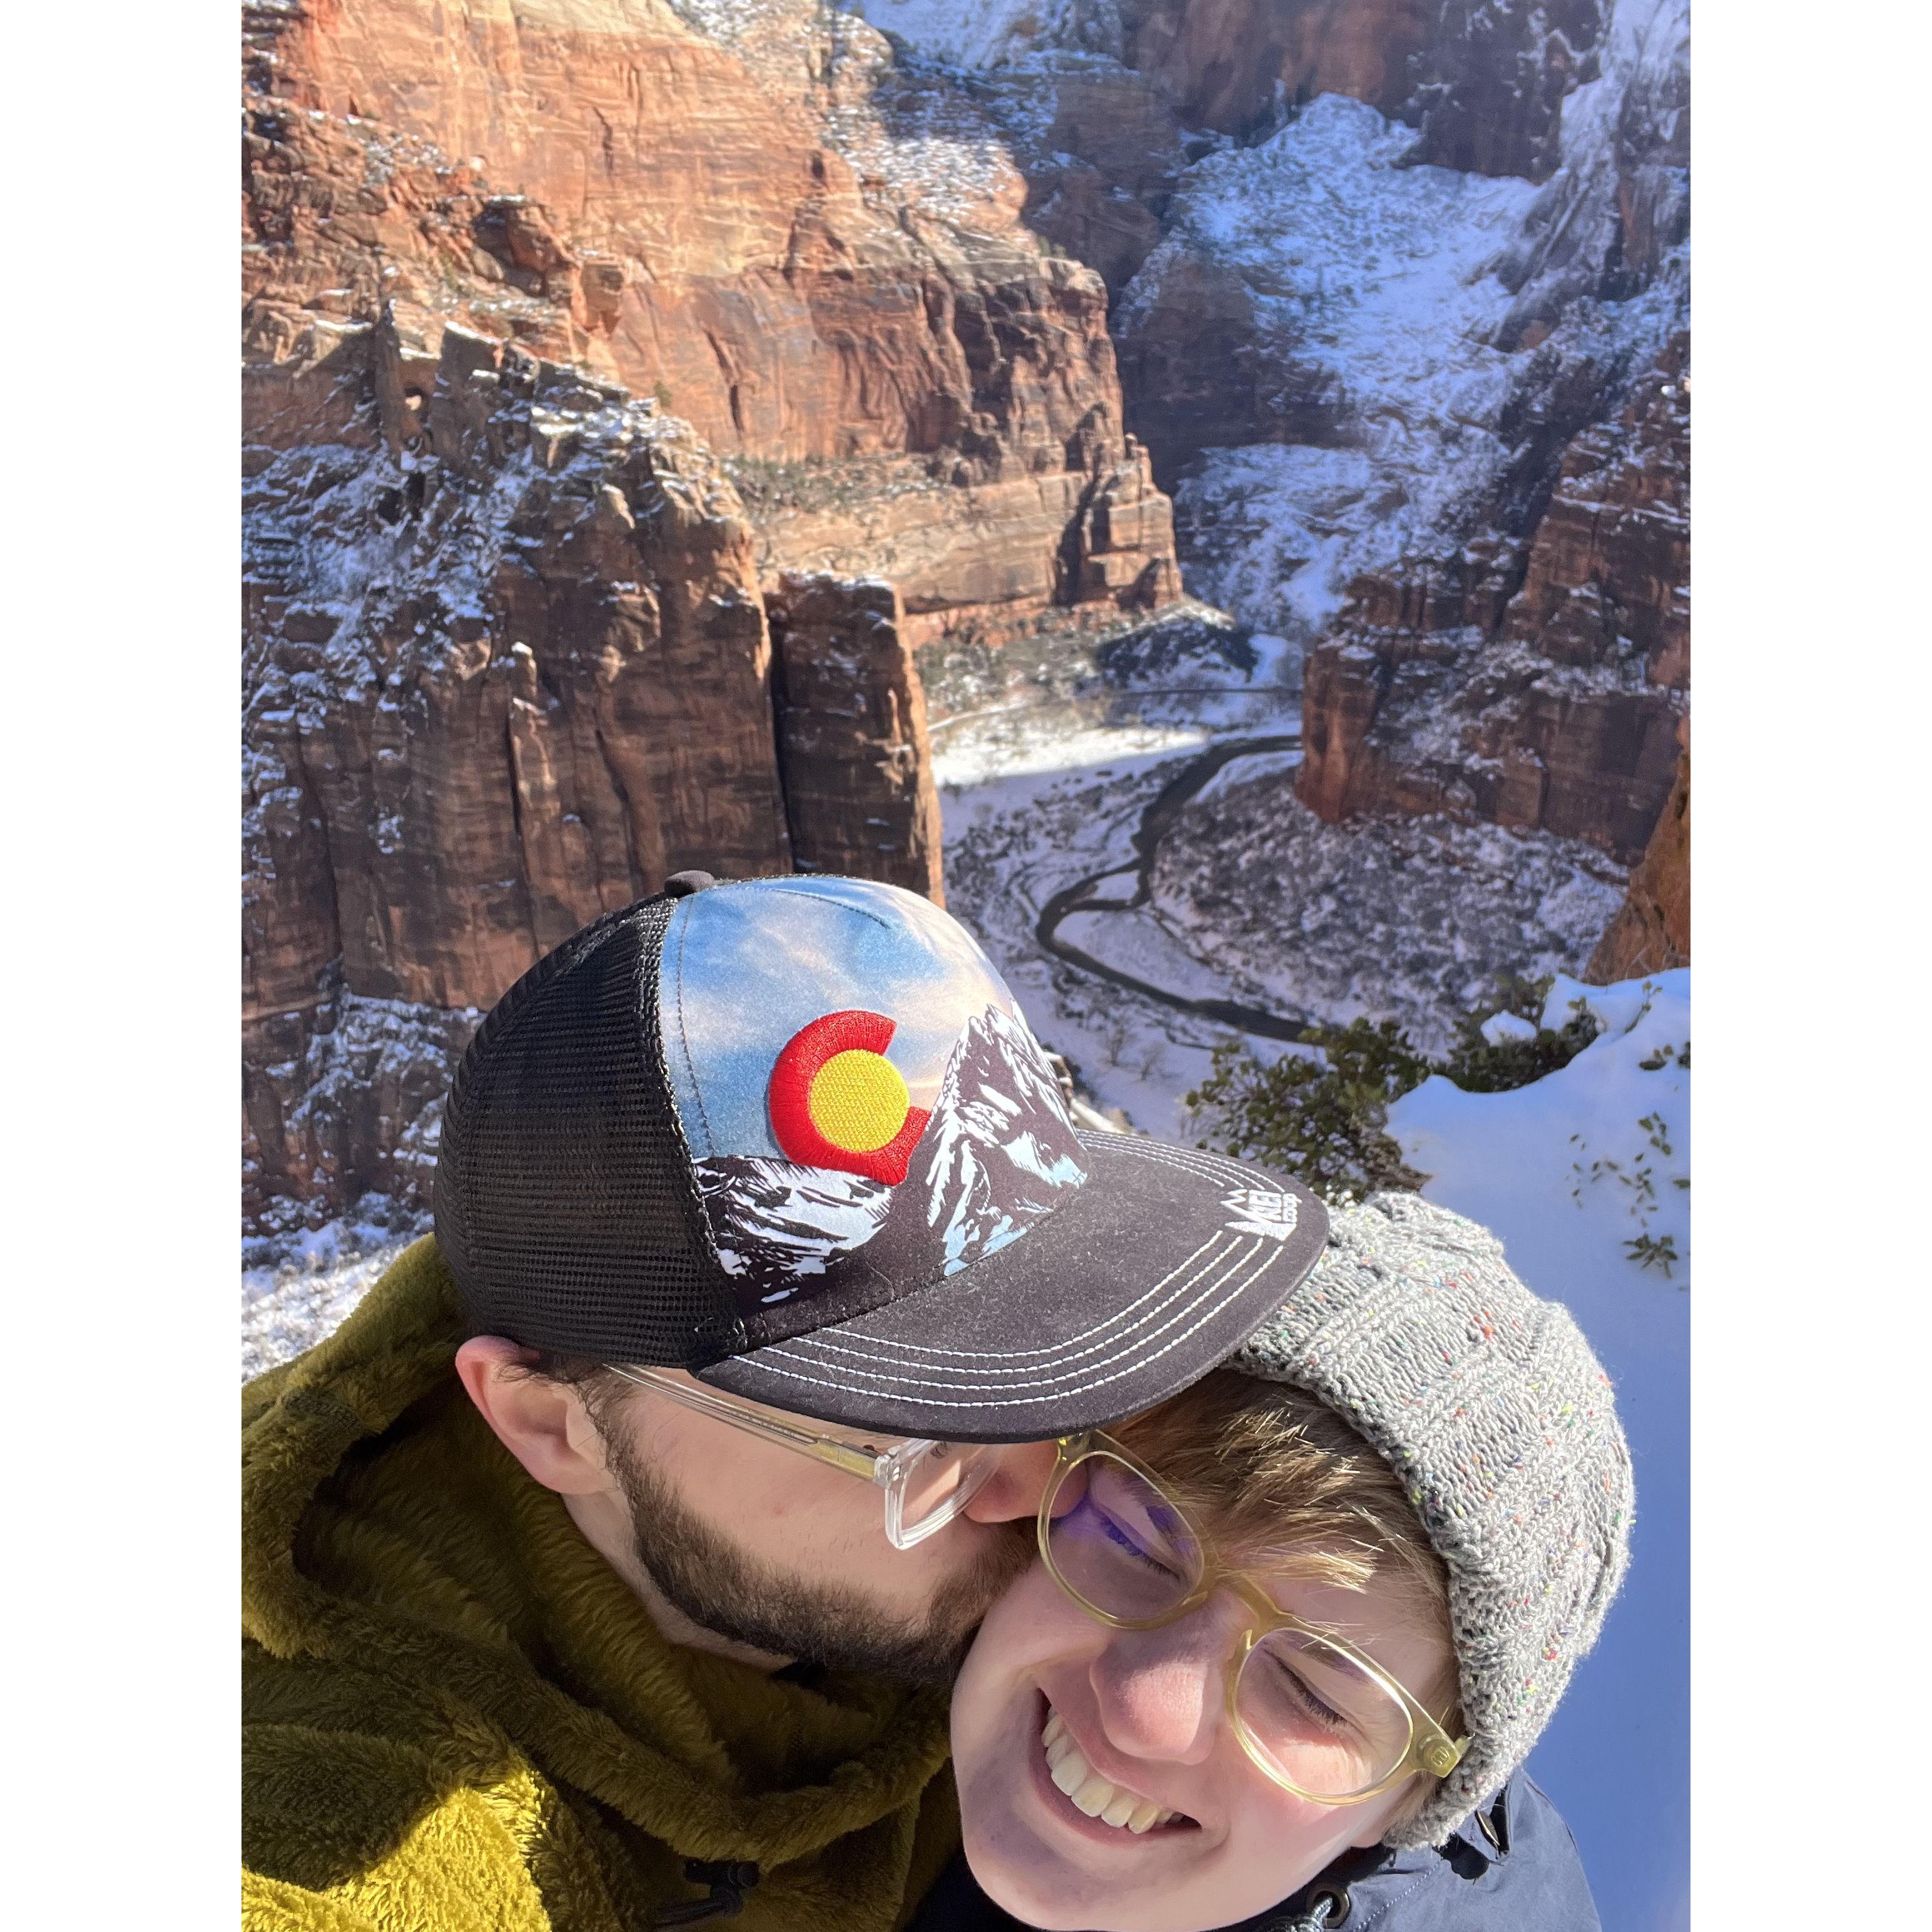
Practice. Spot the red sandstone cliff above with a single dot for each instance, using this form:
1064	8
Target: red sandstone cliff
508	665
734	225
853	752
496	685
1481	80
1651	931
508	274
1555	704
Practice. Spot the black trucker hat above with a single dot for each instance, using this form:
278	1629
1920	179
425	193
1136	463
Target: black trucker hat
794	1136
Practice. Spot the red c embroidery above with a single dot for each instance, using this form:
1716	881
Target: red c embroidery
835	1101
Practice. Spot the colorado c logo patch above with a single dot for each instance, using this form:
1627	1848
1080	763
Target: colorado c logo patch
835	1100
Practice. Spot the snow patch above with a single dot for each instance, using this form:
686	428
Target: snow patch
303	1298
987	34
1500	1027
1256	765
1374	291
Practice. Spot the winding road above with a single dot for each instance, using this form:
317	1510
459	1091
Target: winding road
1156	821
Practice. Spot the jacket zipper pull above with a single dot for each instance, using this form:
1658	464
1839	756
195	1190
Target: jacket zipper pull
729	1879
1328	1908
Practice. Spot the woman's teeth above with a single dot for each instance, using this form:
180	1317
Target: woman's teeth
1099	1797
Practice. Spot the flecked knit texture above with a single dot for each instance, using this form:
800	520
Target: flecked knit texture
1487	1402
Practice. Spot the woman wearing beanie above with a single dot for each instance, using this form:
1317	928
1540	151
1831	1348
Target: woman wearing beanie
1292	1635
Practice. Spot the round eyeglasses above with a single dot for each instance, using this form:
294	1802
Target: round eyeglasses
1319	1717
926	1484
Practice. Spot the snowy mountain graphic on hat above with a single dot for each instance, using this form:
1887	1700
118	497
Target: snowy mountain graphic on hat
871	1102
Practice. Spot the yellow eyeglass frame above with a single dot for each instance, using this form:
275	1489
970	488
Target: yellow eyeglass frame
1430	1748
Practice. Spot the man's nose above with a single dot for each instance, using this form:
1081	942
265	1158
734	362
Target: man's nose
1158	1692
1014	1489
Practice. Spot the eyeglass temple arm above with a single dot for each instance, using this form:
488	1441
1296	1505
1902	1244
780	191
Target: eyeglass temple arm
855	1462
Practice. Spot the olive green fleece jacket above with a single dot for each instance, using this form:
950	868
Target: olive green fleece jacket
457	1716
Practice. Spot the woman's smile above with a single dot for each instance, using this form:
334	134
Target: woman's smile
1096	1807
1101	1781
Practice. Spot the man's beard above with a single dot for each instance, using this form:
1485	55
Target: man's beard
723	1589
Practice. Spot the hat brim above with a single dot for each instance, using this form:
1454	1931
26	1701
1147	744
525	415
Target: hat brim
1153	1273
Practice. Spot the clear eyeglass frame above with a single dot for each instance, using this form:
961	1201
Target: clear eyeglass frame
897	1468
1430	1748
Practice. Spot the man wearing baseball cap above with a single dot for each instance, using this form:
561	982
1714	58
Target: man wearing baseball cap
606	1568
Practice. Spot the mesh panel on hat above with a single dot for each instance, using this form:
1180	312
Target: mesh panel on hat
564	1203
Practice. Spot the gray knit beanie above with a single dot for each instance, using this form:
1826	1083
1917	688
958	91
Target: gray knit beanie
1486	1402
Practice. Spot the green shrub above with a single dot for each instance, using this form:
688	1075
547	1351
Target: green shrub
1650	1251
1325	1120
1321	1120
1477	1066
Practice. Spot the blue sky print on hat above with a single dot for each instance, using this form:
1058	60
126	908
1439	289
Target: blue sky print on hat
858	1024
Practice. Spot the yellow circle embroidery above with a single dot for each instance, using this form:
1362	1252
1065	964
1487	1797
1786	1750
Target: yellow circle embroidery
858	1101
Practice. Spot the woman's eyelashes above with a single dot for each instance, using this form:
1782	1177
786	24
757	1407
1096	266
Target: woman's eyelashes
1124	1539
1315	1707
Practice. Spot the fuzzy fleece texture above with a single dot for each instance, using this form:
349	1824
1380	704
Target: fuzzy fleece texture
457	1716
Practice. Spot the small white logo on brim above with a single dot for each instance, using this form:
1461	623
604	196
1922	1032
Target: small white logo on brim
1256	1212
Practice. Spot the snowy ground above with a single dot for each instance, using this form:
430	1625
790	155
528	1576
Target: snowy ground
1038	796
1374	288
307	1295
1569	1172
1012	843
979	34
1253	899
1406	918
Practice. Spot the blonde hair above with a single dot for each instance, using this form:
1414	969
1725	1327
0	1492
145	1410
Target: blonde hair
1276	1478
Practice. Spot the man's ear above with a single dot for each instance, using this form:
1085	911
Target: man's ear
543	1423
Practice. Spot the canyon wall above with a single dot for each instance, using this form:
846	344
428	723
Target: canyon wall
733	211
1105	104
1556	704
508	665
498	682
1651	931
522	289
1481	81
853	753
1399	300
631	387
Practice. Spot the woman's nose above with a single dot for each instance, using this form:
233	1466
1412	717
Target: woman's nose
1015	1487
1158	1692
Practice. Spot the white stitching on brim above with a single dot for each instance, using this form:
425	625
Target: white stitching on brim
1122	1348
911	1397
866	1347
1052	1350
1189	1160
1228	1263
1039	1357
1206	1166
